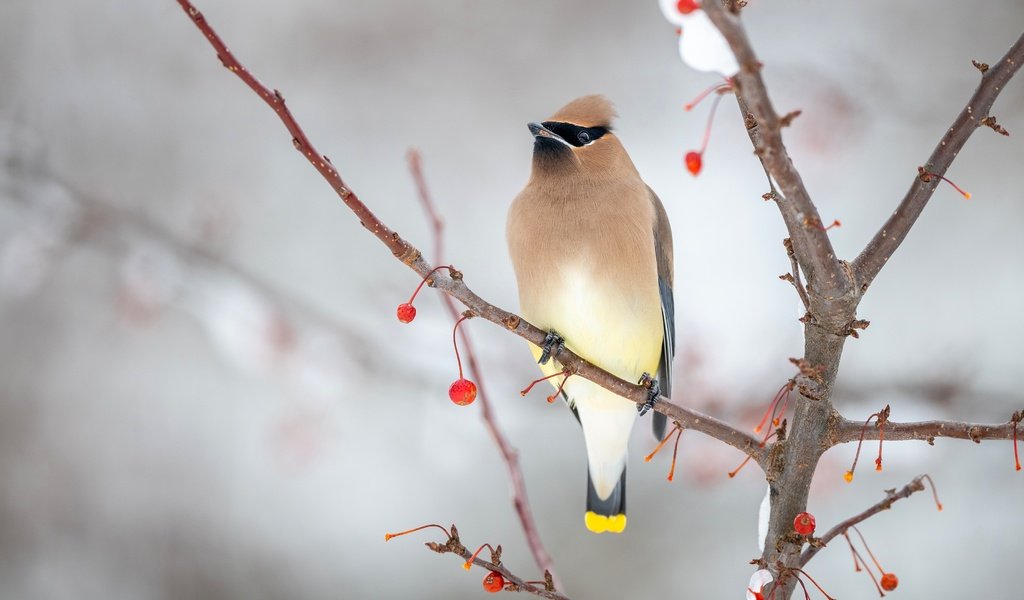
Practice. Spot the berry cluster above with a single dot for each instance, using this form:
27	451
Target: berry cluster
462	391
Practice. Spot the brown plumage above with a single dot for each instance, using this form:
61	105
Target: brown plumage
592	250
588	111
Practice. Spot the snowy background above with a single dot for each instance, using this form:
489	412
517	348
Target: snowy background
204	392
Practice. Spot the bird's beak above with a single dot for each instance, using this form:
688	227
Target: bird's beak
539	131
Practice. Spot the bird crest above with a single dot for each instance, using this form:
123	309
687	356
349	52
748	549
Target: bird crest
587	111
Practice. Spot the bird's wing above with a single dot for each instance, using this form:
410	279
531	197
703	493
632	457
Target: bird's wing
663	249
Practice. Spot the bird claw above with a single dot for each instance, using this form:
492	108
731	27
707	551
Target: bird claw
653	393
552	341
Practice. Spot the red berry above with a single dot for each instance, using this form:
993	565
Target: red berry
462	392
687	6
494	582
889	581
693	162
406	312
804	523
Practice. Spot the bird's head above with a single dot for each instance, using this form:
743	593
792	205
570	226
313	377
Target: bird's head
577	139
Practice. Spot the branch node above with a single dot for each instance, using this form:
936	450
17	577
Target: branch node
787	119
990	122
510	321
852	327
808	369
409	253
983	67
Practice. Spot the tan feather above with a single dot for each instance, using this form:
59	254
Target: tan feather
588	111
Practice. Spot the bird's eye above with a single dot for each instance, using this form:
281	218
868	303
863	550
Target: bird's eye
583	137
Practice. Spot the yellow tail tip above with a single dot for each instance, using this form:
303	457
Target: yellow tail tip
600	523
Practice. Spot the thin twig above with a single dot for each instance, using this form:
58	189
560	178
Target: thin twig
850	431
881	247
519	498
794	275
520	582
411	256
891	496
454	545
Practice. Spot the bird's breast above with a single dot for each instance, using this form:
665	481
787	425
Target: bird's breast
586	267
614	324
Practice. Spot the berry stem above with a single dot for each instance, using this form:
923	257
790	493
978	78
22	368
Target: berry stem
863	430
561	385
770	411
856	557
881	438
926	176
1017	416
868	548
811	579
721	88
527	389
427	278
388	536
807	595
711	120
935	493
469	563
662	443
675	452
853	552
747	459
455	343
785	392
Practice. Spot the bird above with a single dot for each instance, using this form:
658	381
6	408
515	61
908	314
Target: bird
591	247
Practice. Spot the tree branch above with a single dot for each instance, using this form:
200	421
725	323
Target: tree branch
881	247
850	431
521	583
891	496
454	545
409	255
825	275
508	453
794	275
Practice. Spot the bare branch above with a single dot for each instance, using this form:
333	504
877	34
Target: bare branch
399	247
850	431
508	453
794	275
521	584
411	256
825	275
454	545
975	114
891	496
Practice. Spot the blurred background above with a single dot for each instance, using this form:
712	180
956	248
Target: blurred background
204	392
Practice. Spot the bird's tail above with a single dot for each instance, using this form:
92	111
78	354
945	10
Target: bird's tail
608	514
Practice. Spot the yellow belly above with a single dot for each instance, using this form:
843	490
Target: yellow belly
620	330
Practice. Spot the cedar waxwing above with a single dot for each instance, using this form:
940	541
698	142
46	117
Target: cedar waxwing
592	251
